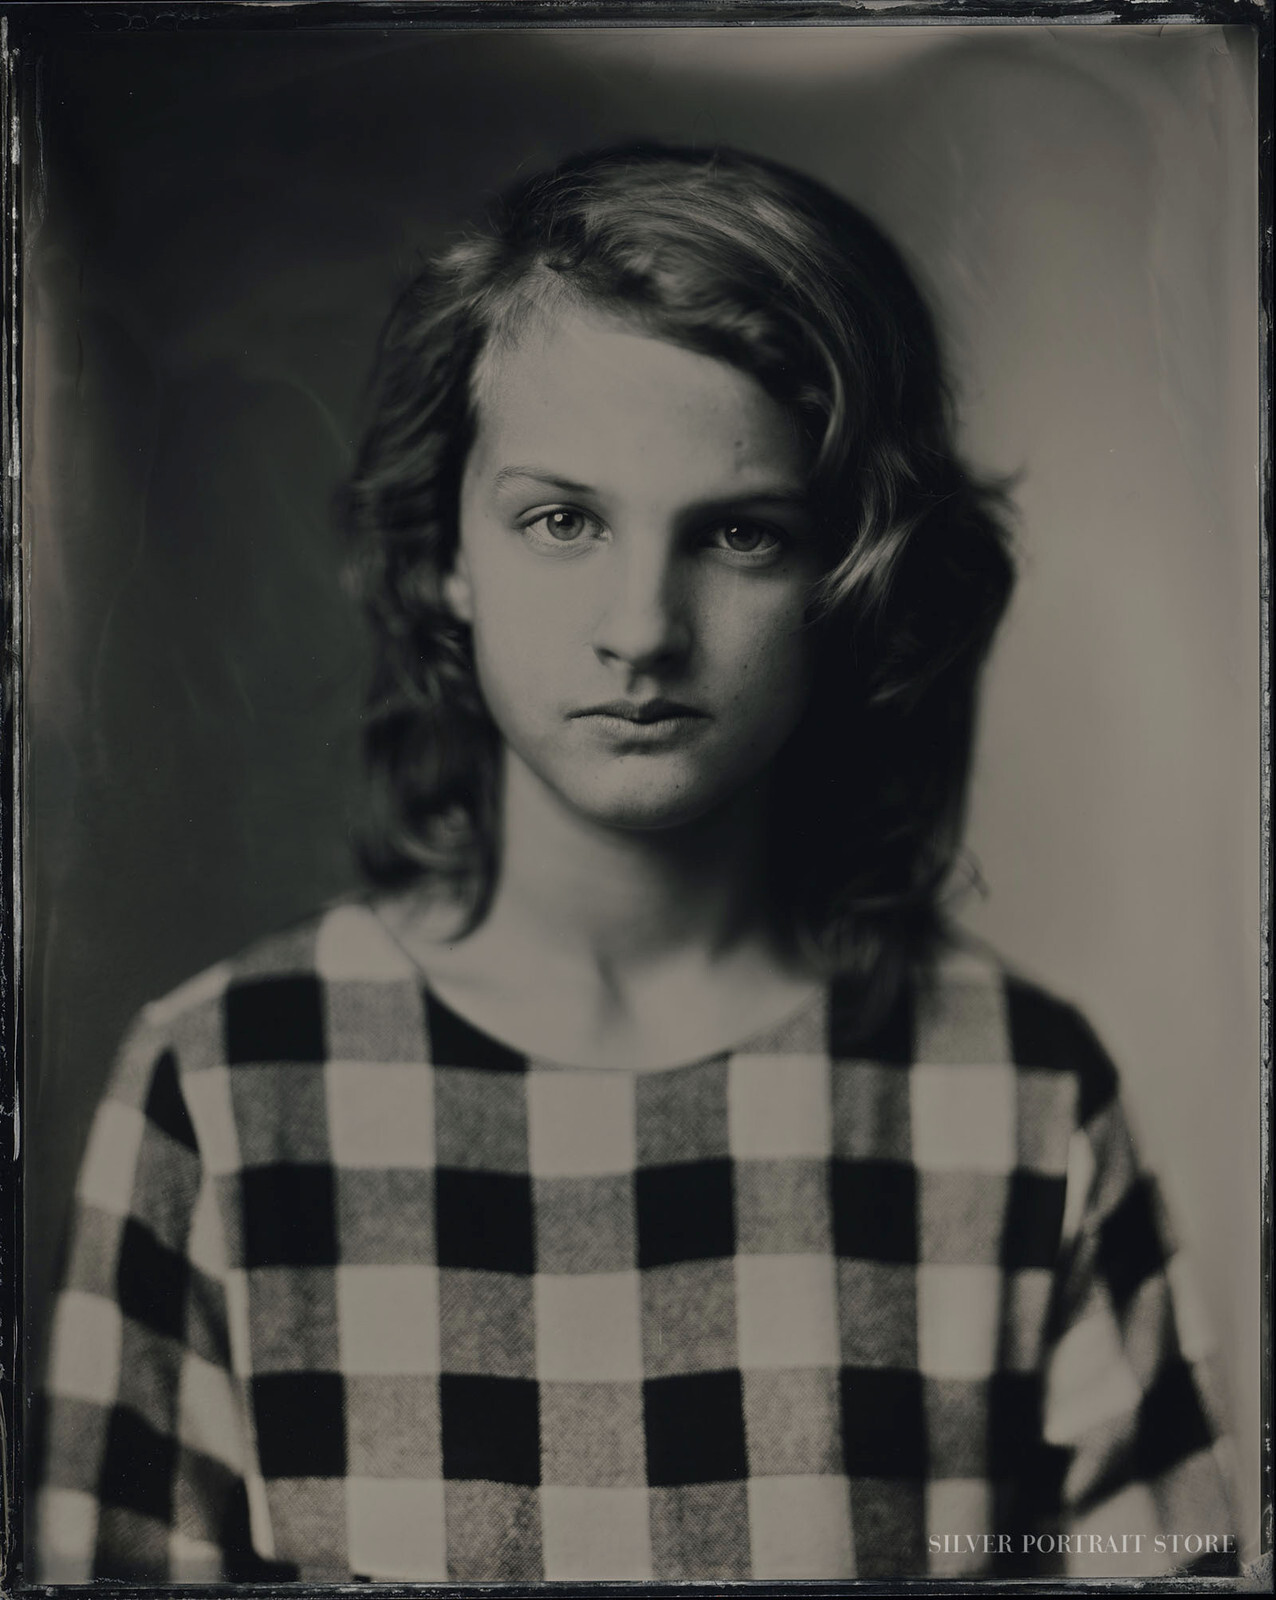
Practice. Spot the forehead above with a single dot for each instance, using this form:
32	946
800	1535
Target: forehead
587	395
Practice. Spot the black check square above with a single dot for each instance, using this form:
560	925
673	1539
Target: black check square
695	1428
889	1039
685	1213
1044	1032
1014	1424
883	1423
1172	1422
1034	1220
490	1428
138	1464
875	1210
484	1221
300	1419
165	1107
1033	1021
274	1019
1130	1243
151	1282
289	1216
243	1564
454	1042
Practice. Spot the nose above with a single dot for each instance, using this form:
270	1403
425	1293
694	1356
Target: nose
644	622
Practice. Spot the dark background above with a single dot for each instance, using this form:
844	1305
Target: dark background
214	226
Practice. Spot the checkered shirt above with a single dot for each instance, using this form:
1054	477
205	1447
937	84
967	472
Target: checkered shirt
355	1290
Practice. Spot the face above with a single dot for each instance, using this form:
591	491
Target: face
636	549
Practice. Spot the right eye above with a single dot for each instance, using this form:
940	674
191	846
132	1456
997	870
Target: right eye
561	528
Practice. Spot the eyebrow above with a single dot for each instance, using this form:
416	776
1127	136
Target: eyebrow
797	496
552	480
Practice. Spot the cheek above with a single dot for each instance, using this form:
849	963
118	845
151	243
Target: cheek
767	655
521	644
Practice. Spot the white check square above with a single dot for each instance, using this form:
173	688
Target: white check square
206	1245
209	1412
580	1124
208	1098
963	1118
955	1508
595	1533
779	1106
800	1527
1134	1510
958	1318
1089	1380
88	1335
66	1533
380	1115
110	1158
388	1319
395	1528
192	1560
786	1311
588	1327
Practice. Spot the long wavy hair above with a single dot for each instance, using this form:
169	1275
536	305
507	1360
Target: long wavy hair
744	260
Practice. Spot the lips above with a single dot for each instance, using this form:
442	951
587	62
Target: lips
641	711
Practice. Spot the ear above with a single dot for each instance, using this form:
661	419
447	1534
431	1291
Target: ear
456	591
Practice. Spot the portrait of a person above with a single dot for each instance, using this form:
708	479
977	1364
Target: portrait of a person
642	1177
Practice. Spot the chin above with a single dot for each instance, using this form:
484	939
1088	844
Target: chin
644	807
647	819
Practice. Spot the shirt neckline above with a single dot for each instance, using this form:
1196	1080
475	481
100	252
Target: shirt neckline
818	998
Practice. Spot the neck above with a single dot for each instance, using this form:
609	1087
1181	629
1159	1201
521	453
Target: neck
628	898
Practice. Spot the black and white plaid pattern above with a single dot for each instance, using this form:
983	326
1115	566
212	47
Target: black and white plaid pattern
354	1289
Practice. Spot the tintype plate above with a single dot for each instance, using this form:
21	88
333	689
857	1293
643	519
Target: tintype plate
208	212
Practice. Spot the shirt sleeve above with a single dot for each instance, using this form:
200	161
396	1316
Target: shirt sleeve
142	1439
1131	1394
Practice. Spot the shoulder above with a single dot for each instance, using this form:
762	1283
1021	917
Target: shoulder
275	999
1006	1075
974	1006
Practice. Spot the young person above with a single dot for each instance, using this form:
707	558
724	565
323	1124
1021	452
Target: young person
642	1181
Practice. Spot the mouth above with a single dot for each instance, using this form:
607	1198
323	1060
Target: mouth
642	713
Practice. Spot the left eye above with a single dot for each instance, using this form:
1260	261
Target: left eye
746	538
